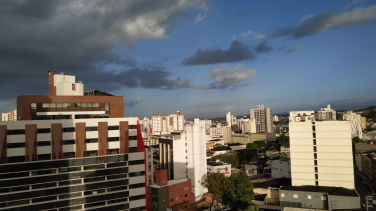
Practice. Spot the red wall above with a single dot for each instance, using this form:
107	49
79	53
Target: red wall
179	191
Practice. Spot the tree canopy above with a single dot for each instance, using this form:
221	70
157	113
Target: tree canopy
261	144
239	193
230	158
217	184
251	146
284	140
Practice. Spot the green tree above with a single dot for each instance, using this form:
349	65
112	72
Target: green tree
251	146
356	139
239	193
217	184
246	155
261	144
217	145
272	145
284	140
230	158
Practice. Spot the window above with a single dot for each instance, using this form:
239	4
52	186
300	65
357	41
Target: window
44	143
15	132
282	195
92	153
295	196
113	151
309	197
107	106
33	107
132	126
113	139
114	127
69	154
15	145
132	137
171	200
44	130
91	128
69	169
44	157
69	129
92	167
139	185
95	105
16	159
67	142
45	105
186	188
132	149
91	140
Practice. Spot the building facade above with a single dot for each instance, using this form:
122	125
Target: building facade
326	113
220	132
355	121
219	167
320	151
167	124
11	116
263	117
71	160
281	169
228	119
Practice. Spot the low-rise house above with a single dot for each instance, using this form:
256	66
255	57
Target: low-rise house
219	167
273	153
281	168
271	189
237	146
220	150
250	170
319	198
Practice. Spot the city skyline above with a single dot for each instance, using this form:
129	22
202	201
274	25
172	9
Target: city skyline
201	57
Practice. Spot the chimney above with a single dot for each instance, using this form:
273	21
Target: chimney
51	82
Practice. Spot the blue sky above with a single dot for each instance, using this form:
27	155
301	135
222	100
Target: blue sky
203	57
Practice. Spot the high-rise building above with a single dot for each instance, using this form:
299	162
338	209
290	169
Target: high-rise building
320	151
326	113
228	119
71	152
184	155
11	116
355	122
263	117
220	132
167	124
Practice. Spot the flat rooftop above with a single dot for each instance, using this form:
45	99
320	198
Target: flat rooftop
273	183
213	163
337	191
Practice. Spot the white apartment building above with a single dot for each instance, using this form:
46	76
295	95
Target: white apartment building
228	119
320	151
281	169
355	121
233	120
167	124
275	118
264	118
326	113
221	132
247	125
219	167
66	85
184	155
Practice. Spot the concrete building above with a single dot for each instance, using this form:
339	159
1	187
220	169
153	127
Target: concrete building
169	194
219	167
11	116
326	113
228	119
319	198
281	168
68	158
184	155
264	118
220	132
150	165
247	125
233	120
320	151
355	121
363	122
275	118
167	124
237	146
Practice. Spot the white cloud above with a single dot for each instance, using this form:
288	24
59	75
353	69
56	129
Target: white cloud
233	37
294	48
307	17
352	3
258	36
244	34
225	77
199	18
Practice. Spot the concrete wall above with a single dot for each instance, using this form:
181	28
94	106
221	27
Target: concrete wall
301	199
343	202
272	194
281	168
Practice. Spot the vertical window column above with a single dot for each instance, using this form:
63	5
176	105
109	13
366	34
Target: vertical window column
102	138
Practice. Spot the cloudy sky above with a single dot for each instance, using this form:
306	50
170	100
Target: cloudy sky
201	57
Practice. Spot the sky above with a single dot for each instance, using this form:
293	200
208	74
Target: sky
203	58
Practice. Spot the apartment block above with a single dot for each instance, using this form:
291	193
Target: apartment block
71	152
11	116
263	117
326	113
167	124
320	151
220	132
356	123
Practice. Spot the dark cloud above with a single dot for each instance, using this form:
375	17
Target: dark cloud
328	20
83	37
263	47
237	52
135	101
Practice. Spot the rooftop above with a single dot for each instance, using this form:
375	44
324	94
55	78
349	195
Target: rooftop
337	191
170	182
222	148
273	183
234	144
214	163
